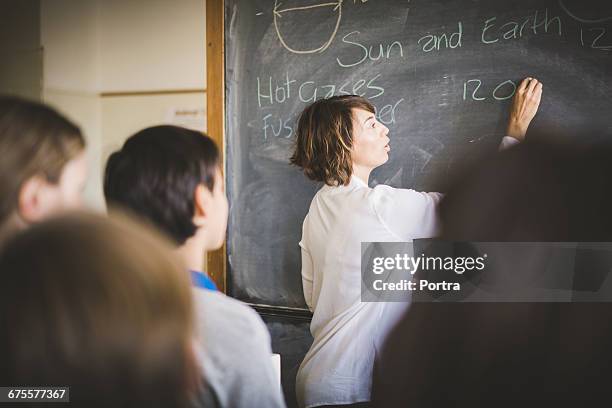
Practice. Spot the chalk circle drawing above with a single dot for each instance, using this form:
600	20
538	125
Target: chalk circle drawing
581	19
278	14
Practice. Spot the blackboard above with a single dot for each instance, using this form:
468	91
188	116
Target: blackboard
441	74
441	90
291	339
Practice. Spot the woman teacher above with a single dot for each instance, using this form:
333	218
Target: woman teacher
339	143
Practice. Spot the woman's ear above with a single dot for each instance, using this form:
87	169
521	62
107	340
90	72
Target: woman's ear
34	200
202	201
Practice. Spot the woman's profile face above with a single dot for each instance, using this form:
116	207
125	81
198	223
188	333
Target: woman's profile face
370	141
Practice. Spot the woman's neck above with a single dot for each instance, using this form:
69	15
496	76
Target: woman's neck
362	172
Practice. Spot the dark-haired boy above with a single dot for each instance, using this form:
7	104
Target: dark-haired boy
170	176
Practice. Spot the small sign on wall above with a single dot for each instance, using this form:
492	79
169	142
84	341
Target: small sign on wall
191	118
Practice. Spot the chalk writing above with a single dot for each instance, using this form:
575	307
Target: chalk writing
433	42
582	19
358	49
273	126
369	52
386	114
491	32
333	6
596	38
277	127
279	93
498	91
504	90
478	83
271	91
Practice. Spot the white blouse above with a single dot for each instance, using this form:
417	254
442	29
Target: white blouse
348	333
338	367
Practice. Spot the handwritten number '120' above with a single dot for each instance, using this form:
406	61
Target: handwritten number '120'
495	94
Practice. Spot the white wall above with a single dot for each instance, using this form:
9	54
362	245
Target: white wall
152	44
69	32
69	36
126	115
93	47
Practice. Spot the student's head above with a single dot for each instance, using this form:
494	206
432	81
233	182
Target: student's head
537	191
43	166
337	135
546	353
100	306
496	354
171	177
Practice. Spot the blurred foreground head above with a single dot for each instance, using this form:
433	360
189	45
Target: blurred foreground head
536	191
100	306
43	167
511	354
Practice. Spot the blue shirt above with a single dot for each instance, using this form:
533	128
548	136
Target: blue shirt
202	281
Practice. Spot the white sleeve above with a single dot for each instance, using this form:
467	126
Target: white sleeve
407	213
307	275
507	142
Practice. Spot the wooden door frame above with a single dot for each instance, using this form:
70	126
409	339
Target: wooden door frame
216	264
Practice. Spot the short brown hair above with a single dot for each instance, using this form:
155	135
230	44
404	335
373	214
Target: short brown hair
99	305
325	138
34	139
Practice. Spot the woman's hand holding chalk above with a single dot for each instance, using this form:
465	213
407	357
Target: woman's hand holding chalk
524	107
